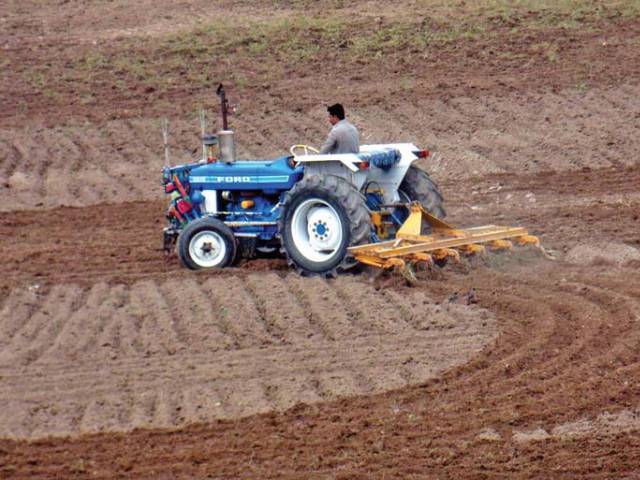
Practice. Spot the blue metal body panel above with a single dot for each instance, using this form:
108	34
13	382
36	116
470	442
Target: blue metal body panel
263	182
269	176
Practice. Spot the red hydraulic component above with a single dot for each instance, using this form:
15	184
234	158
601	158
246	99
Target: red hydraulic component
183	206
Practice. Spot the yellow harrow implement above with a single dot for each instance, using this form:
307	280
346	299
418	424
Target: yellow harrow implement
411	247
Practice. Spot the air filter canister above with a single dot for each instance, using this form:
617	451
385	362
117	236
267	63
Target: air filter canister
227	146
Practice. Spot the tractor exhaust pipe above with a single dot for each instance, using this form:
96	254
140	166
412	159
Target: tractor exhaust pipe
226	140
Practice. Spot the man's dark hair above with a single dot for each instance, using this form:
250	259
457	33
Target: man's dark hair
337	110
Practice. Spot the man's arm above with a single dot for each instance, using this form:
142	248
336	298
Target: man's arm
330	143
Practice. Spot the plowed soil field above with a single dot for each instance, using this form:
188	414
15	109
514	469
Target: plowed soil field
115	362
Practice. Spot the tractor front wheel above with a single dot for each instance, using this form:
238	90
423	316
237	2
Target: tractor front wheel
321	217
206	243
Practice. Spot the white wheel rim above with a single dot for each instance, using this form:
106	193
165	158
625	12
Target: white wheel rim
316	230
207	249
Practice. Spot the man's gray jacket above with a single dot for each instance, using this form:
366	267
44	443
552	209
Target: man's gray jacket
343	138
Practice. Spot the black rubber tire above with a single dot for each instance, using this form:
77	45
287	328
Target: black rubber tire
418	186
350	206
206	224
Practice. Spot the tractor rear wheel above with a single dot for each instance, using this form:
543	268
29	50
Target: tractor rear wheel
418	186
206	243
321	217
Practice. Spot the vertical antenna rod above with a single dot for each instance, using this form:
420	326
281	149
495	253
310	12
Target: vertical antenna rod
165	136
203	130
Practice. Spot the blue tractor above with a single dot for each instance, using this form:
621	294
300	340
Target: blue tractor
310	207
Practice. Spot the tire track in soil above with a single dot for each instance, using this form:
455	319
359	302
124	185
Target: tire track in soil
589	306
339	384
545	382
244	397
161	366
608	340
104	414
285	392
560	333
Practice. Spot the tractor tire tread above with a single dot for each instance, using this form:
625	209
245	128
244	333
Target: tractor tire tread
419	186
353	202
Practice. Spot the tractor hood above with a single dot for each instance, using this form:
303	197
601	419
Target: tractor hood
246	175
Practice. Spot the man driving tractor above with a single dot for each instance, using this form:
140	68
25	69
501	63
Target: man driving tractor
344	136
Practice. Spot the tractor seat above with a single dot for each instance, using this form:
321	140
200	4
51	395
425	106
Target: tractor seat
384	158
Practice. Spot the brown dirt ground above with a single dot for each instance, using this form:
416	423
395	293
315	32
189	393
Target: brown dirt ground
115	362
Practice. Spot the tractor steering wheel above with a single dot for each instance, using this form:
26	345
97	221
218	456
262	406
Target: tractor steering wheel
306	149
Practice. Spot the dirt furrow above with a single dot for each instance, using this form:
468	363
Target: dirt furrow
195	317
64	181
9	159
157	367
25	183
95	175
226	319
20	305
156	330
246	382
281	310
21	349
61	308
472	137
240	308
324	307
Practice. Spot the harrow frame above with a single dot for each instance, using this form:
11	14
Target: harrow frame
444	241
